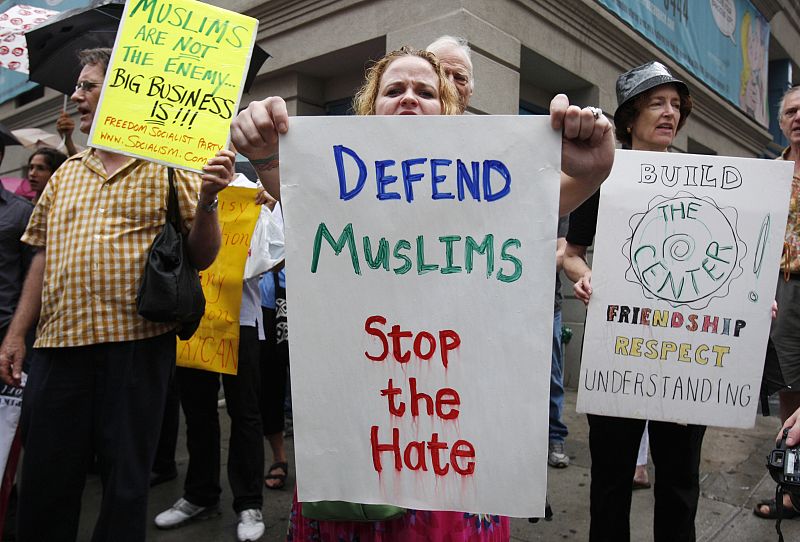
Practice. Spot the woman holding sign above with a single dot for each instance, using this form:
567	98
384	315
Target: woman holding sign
653	107
408	82
587	143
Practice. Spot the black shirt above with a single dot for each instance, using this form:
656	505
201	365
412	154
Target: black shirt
563	223
583	222
15	256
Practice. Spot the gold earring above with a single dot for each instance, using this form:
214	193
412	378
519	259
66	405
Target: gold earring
629	129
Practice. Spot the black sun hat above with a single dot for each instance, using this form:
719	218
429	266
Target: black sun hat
642	78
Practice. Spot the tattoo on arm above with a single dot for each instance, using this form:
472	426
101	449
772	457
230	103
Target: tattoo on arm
266	164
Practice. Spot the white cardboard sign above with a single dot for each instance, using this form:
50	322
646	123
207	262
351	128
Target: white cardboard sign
420	277
684	275
10	410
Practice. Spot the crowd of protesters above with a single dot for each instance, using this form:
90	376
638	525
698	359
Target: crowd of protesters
102	388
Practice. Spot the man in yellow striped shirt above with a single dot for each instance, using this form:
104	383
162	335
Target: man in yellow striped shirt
99	374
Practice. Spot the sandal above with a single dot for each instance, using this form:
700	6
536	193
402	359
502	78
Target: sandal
788	512
280	477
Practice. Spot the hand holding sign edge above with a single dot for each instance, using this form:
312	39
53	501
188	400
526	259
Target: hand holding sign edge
587	151
254	131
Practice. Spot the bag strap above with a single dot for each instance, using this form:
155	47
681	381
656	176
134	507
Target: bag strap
173	209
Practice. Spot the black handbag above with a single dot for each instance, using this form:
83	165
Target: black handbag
170	289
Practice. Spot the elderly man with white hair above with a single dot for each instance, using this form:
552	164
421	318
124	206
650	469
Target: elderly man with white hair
455	57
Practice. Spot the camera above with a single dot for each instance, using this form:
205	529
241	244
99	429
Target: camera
784	465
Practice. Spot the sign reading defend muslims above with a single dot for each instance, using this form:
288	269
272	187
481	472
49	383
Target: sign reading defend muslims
420	258
684	274
174	82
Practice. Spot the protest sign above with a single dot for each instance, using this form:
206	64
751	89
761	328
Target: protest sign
420	261
684	274
174	81
10	409
215	344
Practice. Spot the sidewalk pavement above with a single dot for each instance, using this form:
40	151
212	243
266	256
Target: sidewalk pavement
733	479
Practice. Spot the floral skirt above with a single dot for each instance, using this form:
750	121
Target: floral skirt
414	526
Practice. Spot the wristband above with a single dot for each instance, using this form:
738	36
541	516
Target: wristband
211	207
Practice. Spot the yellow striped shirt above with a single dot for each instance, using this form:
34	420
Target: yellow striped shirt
97	231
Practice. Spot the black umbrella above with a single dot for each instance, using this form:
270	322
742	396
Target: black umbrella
54	45
6	137
257	60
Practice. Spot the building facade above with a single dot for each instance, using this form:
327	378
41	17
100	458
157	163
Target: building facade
524	52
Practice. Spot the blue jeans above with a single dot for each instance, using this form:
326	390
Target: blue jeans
558	431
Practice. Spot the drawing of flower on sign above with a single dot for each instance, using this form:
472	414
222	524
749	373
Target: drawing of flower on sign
684	250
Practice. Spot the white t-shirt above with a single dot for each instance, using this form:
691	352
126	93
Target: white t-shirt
250	312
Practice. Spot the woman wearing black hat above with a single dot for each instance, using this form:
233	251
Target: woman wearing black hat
653	106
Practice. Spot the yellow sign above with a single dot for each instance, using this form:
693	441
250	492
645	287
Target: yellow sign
215	344
174	82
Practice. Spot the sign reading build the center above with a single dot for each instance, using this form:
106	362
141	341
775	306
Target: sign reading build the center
684	275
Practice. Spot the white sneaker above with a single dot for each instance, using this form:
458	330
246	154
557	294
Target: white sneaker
556	456
183	511
251	525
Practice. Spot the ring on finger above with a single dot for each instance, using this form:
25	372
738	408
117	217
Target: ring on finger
596	112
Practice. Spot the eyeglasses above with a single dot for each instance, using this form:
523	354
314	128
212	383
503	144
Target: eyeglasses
86	86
